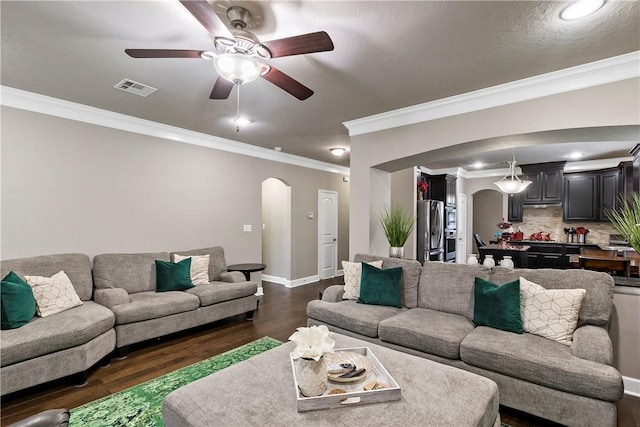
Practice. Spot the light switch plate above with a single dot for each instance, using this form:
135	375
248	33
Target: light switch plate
247	228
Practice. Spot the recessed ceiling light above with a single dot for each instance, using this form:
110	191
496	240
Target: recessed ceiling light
242	121
337	151
580	9
477	165
576	155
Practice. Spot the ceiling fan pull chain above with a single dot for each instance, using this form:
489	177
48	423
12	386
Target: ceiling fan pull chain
238	108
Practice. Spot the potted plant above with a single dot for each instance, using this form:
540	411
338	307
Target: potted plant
397	225
626	219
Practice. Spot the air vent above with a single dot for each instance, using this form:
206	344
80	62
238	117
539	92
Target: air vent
135	88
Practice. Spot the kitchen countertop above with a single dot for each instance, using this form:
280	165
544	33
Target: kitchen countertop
508	247
551	242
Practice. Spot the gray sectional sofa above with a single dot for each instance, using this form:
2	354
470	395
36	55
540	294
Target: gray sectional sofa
119	307
63	344
573	385
126	284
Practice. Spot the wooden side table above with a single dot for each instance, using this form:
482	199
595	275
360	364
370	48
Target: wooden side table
246	269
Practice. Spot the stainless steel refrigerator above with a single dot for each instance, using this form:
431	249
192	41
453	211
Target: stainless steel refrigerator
430	230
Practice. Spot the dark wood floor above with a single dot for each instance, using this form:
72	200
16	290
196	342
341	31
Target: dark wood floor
281	311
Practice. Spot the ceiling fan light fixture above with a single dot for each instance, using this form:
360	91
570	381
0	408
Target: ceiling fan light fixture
580	9
237	68
337	151
511	184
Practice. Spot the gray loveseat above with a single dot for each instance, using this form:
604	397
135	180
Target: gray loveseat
573	385
62	344
126	284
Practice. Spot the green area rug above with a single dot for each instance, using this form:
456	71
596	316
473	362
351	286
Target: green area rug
141	405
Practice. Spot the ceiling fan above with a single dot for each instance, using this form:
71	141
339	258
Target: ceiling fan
238	51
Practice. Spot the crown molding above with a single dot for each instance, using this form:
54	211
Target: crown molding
37	103
596	73
587	165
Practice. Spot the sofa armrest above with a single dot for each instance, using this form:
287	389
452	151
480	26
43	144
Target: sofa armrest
111	297
593	343
232	277
333	293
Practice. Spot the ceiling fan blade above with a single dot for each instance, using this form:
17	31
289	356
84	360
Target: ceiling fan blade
298	45
221	89
288	84
205	14
163	53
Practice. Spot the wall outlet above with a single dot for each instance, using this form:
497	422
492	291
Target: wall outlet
247	228
264	226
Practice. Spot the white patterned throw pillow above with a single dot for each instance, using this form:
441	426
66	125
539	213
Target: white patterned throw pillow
53	294
352	277
550	313
199	267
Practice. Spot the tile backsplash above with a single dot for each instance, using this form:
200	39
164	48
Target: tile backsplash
549	220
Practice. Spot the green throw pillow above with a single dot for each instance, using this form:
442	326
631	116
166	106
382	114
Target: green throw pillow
380	287
173	276
497	306
18	302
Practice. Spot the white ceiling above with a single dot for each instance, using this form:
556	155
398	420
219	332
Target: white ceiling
388	55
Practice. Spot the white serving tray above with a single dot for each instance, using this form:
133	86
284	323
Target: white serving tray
355	393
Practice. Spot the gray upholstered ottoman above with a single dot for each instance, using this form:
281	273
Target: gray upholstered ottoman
260	391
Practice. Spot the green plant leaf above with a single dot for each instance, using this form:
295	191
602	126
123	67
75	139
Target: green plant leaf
397	225
626	218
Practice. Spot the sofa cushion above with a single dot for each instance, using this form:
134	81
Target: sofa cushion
131	272
380	287
353	278
426	330
540	361
449	287
17	301
152	305
351	316
53	294
217	263
199	267
76	266
215	292
550	313
598	301
410	275
497	306
63	330
173	276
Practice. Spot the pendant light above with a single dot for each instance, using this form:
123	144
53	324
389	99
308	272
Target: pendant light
511	184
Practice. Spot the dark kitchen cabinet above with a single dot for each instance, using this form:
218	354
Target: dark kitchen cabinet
443	188
581	202
515	207
635	152
547	255
587	195
547	186
609	188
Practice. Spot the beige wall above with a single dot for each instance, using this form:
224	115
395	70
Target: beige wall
75	187
605	105
487	213
625	332
404	193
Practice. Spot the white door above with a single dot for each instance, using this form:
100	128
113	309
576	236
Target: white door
327	233
461	243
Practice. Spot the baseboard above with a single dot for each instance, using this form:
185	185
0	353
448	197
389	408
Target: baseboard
290	283
297	282
631	386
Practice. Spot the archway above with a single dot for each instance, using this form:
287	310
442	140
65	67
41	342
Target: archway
276	229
